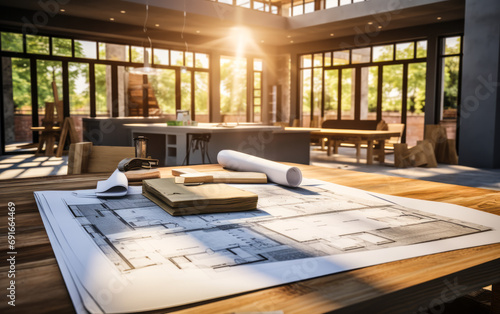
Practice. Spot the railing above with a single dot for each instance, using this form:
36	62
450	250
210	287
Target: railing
288	7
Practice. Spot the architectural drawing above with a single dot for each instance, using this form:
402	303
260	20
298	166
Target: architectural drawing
290	224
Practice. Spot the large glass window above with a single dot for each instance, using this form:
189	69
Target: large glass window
163	85
450	74
103	86
331	94
48	72
79	97
450	59
369	91
348	96
392	93
233	88
415	102
257	90
201	99
305	96
367	83
16	100
102	90
186	90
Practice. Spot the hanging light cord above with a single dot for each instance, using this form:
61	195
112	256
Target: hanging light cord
145	29
184	27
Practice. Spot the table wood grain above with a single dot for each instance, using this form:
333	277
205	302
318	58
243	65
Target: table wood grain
337	136
396	287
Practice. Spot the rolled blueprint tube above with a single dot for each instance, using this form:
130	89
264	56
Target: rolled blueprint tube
276	172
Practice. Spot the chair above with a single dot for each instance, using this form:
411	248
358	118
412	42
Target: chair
85	158
50	129
394	127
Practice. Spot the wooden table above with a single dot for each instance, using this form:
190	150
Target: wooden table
336	136
397	287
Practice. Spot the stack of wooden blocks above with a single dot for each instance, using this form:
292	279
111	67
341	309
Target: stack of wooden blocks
435	148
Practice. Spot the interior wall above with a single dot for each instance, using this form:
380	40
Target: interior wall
480	106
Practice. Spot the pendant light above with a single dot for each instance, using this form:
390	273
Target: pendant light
146	69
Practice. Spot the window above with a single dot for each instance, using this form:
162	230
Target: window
87	49
201	60
367	83
257	90
341	57
176	57
113	52
233	88
12	42
422	49
405	51
137	54
37	44
161	56
450	59
62	47
383	53
361	55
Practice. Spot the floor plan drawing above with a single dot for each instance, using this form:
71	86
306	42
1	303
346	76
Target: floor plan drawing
290	224
113	249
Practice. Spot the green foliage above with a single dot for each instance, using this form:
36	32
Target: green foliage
21	87
451	77
47	71
416	87
12	42
392	84
201	92
233	87
164	89
331	90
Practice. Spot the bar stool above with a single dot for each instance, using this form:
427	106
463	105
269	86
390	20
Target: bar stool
197	141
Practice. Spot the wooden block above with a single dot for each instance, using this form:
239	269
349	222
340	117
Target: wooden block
193	176
401	156
68	128
428	151
142	174
417	156
78	157
178	171
179	199
451	152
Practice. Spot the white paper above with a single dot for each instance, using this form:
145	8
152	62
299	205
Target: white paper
276	172
128	255
115	186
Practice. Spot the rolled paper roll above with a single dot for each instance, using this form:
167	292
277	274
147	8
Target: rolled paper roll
276	172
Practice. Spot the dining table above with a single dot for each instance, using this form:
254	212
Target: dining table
374	140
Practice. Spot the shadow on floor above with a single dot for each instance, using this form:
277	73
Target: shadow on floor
452	174
28	165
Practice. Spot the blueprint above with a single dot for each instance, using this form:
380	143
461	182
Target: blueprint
319	227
